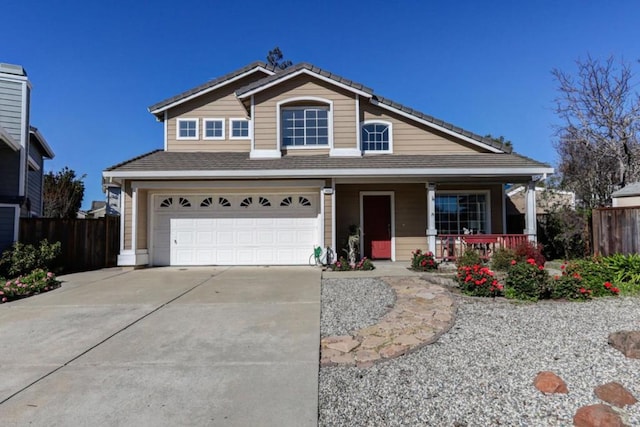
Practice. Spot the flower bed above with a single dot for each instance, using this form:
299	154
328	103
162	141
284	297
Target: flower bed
423	261
342	264
36	282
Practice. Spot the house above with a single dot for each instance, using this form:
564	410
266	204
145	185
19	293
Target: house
261	165
22	153
626	196
547	199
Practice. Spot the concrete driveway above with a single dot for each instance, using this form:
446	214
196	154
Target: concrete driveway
167	346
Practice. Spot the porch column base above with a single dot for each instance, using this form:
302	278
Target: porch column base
129	258
531	235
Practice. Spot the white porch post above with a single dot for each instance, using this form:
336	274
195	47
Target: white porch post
431	217
530	212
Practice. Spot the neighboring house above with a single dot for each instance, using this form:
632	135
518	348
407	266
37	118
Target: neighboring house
22	153
626	196
546	199
259	166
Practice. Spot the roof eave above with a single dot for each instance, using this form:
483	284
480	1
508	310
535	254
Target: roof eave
9	140
158	109
43	142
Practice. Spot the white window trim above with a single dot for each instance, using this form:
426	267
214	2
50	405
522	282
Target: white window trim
239	119
283	104
187	138
487	193
204	128
383	122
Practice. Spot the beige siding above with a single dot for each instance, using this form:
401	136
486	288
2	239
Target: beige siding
410	215
221	103
344	116
127	215
410	137
141	230
626	201
327	219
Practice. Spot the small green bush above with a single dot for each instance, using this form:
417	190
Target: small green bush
22	259
501	259
423	261
624	271
569	287
469	258
478	280
527	281
36	282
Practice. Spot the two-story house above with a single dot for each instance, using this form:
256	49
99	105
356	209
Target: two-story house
261	165
22	153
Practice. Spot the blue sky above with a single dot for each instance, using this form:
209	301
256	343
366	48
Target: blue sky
482	65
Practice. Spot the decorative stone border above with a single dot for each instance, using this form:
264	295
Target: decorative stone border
422	313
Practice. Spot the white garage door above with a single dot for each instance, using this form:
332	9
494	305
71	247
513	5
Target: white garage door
232	229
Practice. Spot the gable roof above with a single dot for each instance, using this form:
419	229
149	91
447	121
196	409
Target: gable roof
33	131
630	190
256	66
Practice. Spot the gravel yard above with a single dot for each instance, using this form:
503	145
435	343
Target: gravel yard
481	372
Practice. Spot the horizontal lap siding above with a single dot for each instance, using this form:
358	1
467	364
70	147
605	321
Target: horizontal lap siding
7	227
127	215
141	230
411	137
10	170
344	116
221	103
11	107
410	214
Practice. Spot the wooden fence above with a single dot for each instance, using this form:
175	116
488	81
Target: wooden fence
616	230
87	244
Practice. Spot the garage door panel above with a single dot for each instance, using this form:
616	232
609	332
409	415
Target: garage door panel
253	235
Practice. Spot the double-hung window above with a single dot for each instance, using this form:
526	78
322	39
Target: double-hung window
239	128
213	128
187	129
305	126
459	213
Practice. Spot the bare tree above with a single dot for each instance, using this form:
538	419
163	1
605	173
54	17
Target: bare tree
62	194
598	142
274	58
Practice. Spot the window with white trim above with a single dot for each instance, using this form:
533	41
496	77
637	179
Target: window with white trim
305	126
213	128
459	213
376	136
239	128
187	129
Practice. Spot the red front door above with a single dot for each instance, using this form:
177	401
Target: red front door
376	212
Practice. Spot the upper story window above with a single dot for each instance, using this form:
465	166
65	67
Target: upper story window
213	128
376	136
305	126
187	129
239	128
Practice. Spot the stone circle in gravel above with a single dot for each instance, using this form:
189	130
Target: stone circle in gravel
480	372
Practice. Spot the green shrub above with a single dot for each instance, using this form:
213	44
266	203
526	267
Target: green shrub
527	281
469	258
36	282
478	280
21	259
501	259
569	287
423	261
624	271
529	250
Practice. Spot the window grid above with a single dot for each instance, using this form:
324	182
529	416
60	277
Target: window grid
214	129
239	128
187	129
305	127
457	212
375	137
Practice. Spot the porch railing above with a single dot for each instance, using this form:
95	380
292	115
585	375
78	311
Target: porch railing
451	246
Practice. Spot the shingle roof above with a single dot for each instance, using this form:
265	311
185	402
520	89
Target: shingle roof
632	189
160	161
294	69
211	83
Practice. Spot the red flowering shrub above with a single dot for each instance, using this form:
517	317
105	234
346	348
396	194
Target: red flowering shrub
527	281
478	281
423	261
529	250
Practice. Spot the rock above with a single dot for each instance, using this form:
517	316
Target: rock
344	343
628	342
373	342
548	382
597	416
393	350
615	394
408	340
365	358
344	359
